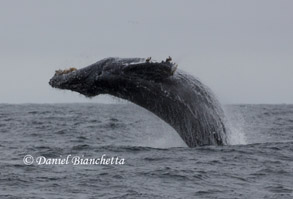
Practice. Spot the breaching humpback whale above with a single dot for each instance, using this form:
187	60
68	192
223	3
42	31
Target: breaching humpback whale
173	95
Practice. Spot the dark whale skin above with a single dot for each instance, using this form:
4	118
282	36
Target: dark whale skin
176	97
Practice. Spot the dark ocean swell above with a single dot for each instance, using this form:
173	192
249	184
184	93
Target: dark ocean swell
157	162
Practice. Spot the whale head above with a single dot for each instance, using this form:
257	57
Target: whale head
112	76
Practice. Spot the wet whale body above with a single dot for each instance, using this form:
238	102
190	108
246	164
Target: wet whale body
176	97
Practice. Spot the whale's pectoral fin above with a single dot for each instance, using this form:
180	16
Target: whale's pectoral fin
150	71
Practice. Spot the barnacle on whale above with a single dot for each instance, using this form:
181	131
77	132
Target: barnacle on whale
169	59
148	59
66	71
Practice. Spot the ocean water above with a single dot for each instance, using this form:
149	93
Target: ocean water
152	160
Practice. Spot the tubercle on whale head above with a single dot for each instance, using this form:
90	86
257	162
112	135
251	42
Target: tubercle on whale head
105	75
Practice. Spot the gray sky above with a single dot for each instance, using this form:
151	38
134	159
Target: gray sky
243	50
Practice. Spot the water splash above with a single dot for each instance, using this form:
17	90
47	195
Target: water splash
235	123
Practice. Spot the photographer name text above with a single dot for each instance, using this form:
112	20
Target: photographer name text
74	160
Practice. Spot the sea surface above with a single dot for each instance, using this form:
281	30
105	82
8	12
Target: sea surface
157	164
